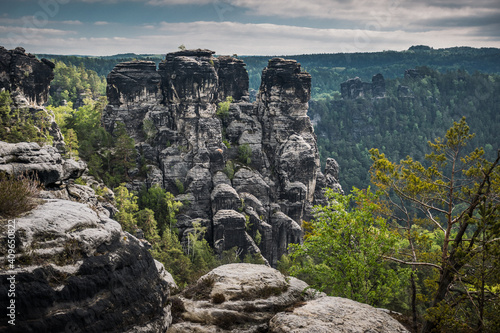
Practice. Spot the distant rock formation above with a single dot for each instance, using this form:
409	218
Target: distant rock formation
355	88
251	170
255	298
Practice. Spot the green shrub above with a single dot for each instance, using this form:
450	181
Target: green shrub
180	186
223	108
244	153
229	170
17	195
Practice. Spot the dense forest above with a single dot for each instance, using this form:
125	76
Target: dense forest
403	122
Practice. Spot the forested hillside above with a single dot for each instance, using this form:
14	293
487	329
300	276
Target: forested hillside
455	82
415	110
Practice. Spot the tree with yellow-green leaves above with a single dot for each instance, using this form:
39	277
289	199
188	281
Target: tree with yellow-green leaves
342	254
455	196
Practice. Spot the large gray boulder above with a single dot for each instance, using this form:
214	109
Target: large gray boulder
236	298
335	314
77	271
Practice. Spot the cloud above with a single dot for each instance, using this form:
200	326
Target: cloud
159	2
30	21
70	22
254	39
25	31
101	23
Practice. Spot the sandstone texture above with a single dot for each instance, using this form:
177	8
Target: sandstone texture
249	173
24	74
236	298
46	162
77	271
28	79
335	314
256	298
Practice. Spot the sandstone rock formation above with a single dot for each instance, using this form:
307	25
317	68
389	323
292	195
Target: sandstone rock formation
22	73
355	88
335	314
45	162
77	271
256	298
236	298
247	174
27	79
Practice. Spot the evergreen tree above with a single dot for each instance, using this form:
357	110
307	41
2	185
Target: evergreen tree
456	196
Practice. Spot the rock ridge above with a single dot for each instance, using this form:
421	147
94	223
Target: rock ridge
264	153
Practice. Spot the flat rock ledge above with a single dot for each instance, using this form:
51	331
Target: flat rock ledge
335	314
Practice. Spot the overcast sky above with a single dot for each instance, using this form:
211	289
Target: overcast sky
245	27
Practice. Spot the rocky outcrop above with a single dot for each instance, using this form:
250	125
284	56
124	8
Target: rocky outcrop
45	162
355	88
27	79
236	298
256	298
247	173
77	271
335	314
22	73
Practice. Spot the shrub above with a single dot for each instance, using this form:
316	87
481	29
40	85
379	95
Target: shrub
180	186
223	108
244	153
17	194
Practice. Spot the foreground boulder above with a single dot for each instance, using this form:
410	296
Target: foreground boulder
46	162
236	298
77	271
335	314
256	298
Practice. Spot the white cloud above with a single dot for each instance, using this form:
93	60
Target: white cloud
33	31
258	39
101	23
70	22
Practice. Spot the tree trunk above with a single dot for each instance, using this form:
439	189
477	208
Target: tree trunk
414	302
444	282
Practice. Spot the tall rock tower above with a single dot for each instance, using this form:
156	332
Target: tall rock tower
249	175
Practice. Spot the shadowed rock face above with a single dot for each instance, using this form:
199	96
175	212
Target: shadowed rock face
77	271
50	167
24	74
251	171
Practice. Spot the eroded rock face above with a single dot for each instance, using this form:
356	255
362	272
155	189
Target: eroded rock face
77	271
335	314
236	298
23	73
46	162
256	298
236	169
27	79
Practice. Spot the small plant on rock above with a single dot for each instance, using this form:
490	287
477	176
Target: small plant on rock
17	194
